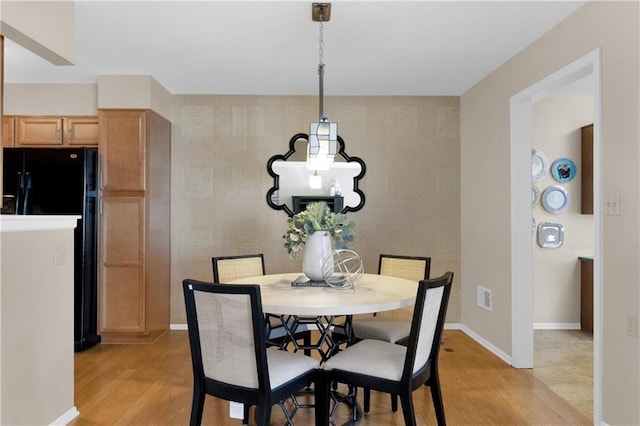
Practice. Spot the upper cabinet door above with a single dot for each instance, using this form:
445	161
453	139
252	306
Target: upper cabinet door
81	131
8	131
123	135
52	131
33	131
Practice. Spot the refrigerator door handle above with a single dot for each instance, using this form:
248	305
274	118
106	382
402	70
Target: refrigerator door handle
27	190
19	190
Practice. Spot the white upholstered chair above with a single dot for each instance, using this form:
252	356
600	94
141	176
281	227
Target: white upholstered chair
389	326
229	354
396	369
229	268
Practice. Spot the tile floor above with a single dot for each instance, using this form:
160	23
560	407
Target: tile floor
563	360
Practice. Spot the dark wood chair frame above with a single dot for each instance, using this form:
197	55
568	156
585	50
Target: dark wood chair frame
403	341
427	375
263	397
341	335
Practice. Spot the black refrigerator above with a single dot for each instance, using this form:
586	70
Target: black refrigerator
62	181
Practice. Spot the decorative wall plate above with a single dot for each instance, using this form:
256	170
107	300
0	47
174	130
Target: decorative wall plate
563	170
539	165
535	195
550	235
555	199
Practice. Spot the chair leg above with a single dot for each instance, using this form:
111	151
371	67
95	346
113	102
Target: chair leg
321	396
245	419
197	405
436	396
407	409
263	414
367	399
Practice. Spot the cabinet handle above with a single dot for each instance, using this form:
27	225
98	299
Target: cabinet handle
100	207
58	134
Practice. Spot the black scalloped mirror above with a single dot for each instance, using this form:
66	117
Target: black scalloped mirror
291	191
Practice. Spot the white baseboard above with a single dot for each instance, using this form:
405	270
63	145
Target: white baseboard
178	327
452	326
490	347
66	417
556	326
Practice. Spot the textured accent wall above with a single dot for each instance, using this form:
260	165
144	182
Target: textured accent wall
220	148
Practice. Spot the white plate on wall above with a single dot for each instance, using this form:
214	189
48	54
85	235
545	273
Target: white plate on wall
535	195
550	235
539	165
555	199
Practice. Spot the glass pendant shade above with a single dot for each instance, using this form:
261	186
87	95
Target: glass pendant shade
323	144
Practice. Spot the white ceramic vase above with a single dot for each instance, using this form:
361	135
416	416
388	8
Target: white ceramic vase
316	250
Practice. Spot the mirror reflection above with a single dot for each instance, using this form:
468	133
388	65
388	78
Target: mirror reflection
295	184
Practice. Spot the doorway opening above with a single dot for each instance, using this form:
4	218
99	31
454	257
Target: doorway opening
585	69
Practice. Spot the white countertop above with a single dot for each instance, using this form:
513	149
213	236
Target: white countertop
19	223
373	293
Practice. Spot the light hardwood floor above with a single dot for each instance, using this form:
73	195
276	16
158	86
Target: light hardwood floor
152	385
563	360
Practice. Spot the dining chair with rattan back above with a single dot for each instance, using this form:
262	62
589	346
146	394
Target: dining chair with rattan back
389	326
392	368
229	354
229	268
414	268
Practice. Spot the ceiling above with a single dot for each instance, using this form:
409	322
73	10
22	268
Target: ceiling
272	48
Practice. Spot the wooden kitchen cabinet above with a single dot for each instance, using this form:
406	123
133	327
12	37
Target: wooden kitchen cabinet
8	124
586	206
134	267
45	131
123	150
122	265
586	294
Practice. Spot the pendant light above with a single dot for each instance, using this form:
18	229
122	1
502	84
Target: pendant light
323	135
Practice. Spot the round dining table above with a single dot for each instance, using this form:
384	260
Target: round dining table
371	293
318	307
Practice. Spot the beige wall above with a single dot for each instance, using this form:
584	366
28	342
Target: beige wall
47	28
556	272
36	367
220	148
485	155
111	91
133	92
51	99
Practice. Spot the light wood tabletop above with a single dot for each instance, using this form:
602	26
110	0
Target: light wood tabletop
372	293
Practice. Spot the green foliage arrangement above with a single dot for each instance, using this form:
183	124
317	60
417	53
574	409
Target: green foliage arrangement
318	217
